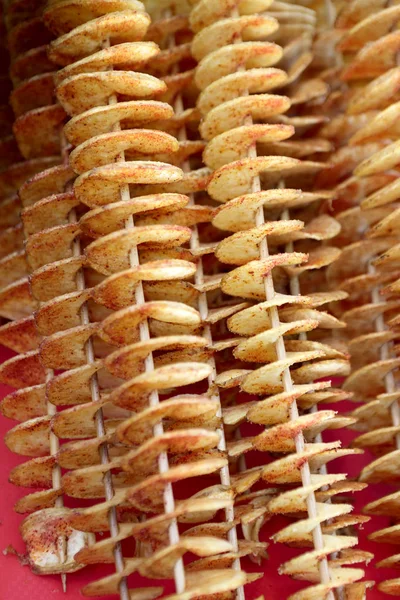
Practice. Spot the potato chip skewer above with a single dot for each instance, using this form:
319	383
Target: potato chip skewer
149	366
36	127
370	39
281	354
20	335
244	178
202	304
379	270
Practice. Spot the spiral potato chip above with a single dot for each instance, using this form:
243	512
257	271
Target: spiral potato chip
370	74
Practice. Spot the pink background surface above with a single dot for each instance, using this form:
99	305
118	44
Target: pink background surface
17	581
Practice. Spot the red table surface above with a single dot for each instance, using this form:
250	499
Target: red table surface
18	581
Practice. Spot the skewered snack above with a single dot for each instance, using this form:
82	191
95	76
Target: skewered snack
370	72
10	239
11	235
29	405
246	185
36	125
16	302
